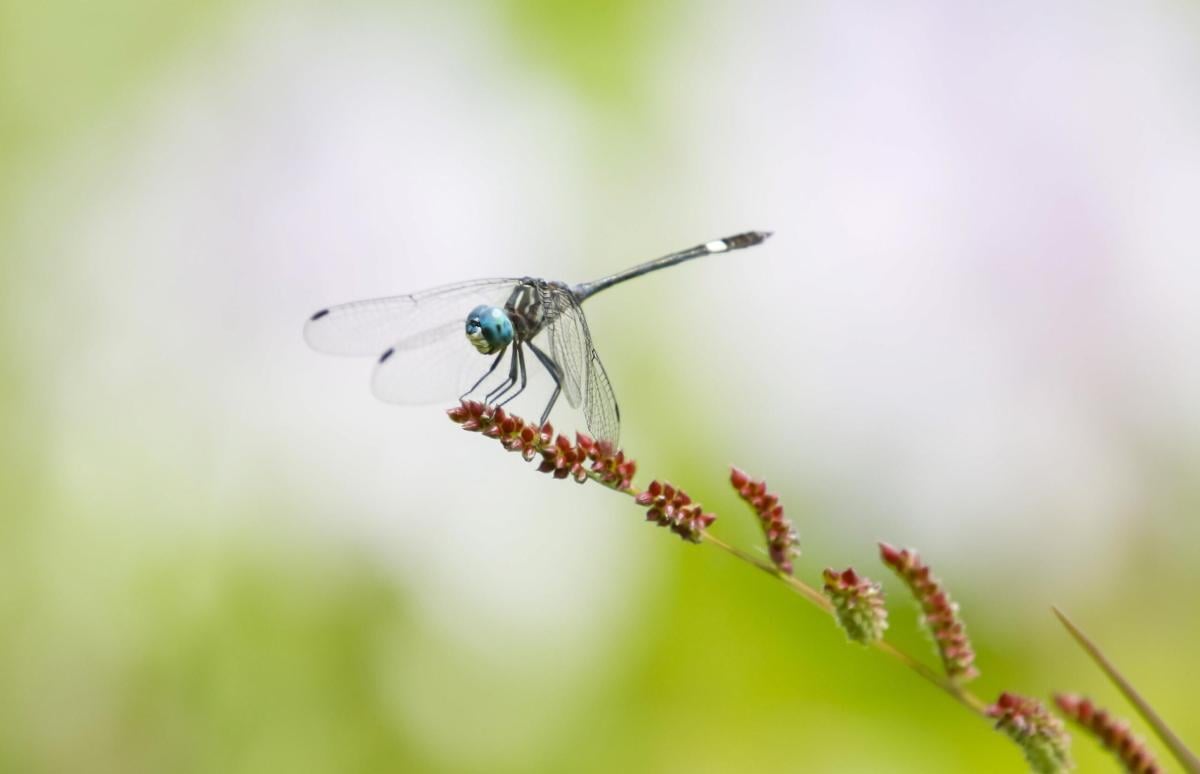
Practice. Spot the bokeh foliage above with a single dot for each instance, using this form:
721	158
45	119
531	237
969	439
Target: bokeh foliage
242	651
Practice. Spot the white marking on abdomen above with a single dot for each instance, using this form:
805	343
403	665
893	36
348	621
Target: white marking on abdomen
716	246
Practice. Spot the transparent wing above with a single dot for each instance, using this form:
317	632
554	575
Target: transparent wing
369	327
570	342
584	379
600	405
431	366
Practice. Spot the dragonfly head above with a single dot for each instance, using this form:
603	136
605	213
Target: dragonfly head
489	329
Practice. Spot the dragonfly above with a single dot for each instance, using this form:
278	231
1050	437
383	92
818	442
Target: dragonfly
428	344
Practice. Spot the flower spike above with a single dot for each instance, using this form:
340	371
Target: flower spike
1040	735
559	456
1112	733
940	612
562	459
782	540
608	464
673	508
858	605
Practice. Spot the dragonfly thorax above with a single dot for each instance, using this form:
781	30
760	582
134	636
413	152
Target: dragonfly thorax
489	329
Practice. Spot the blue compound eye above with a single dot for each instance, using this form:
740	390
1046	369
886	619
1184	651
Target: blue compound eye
488	329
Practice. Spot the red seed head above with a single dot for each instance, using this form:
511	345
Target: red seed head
940	613
857	603
1039	734
1113	734
782	539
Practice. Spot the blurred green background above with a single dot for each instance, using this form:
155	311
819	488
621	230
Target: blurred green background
974	333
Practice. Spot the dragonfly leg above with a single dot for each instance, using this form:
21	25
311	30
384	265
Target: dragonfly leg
495	362
524	374
507	384
555	374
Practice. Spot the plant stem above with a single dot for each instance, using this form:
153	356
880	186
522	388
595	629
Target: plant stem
972	702
799	586
1186	757
940	681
